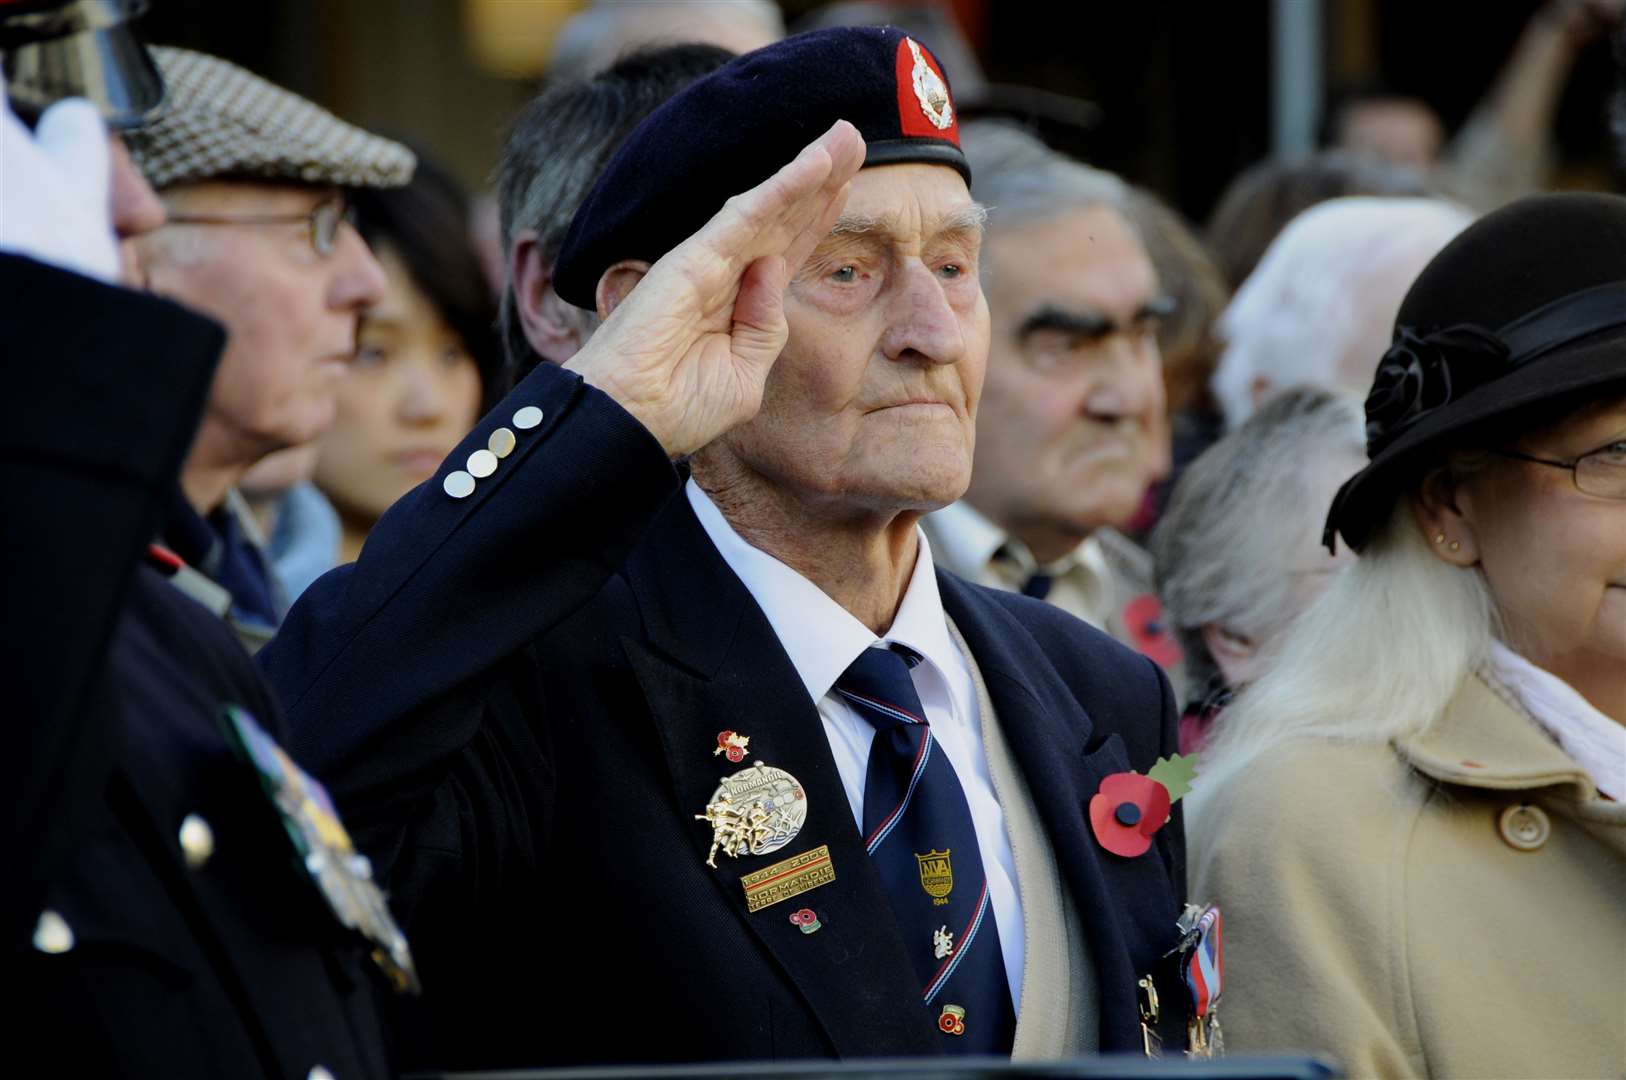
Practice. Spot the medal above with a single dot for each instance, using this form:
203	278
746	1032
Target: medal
343	877
1202	969
792	877
754	812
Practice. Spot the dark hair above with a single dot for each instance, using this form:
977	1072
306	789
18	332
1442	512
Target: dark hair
1269	194
562	140
426	223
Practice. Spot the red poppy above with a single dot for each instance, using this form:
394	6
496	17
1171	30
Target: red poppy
1127	810
1143	618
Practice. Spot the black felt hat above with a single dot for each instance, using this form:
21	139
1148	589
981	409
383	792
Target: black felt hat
1525	306
734	128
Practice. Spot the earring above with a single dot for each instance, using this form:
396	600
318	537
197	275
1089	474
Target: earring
1439	538
1455	546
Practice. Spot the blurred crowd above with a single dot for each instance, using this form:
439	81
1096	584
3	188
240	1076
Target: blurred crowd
1347	463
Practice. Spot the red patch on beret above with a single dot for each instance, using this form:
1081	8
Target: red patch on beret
924	102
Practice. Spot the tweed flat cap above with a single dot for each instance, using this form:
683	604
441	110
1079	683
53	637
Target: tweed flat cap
222	122
730	130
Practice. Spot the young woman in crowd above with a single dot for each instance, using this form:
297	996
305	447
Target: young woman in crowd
428	362
1414	821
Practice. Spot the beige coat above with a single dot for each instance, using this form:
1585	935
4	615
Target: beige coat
1451	906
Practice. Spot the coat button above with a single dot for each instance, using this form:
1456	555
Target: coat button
319	1072
502	442
197	841
459	484
482	463
1525	827
527	418
52	934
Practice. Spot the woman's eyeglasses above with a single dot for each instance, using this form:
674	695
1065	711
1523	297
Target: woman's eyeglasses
1601	472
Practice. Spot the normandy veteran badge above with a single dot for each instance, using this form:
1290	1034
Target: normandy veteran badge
793	877
756	811
343	877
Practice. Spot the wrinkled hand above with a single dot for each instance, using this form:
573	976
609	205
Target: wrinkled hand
55	197
688	351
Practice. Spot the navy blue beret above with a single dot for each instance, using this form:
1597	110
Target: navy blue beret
734	128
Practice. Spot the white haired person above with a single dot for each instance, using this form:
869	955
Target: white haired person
1237	553
1414	819
1317	309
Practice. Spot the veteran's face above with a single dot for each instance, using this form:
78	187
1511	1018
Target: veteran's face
1555	557
290	312
871	406
1073	429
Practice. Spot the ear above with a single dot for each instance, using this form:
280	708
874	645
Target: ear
1232	652
1438	507
548	326
617	284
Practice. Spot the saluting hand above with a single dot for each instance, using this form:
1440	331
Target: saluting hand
688	350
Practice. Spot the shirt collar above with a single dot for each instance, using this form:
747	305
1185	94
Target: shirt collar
819	635
970	541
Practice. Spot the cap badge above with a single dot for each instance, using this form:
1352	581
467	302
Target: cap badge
930	90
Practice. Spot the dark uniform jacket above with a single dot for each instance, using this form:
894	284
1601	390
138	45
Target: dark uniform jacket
515	697
149	963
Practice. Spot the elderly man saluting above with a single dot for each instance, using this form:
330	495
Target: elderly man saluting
727	768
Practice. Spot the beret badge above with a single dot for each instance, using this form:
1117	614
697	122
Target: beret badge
930	90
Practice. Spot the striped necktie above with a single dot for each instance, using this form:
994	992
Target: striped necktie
918	831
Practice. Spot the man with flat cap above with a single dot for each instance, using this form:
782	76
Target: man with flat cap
722	768
253	179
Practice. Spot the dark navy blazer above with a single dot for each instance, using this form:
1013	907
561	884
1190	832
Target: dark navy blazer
515	697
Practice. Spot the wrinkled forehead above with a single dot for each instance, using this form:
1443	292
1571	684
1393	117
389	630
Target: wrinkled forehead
908	201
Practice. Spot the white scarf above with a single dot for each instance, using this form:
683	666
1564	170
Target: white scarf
1596	742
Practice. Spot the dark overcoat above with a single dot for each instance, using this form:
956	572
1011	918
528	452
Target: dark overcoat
211	959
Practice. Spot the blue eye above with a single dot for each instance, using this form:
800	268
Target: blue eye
952	270
846	275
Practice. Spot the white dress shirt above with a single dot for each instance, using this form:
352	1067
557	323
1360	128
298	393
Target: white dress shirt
822	638
1082	581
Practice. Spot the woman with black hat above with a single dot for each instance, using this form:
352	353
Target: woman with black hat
1415	822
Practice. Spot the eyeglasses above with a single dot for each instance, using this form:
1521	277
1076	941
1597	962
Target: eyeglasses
324	218
1601	472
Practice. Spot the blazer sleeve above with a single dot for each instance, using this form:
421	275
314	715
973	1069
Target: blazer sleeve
385	667
103	398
